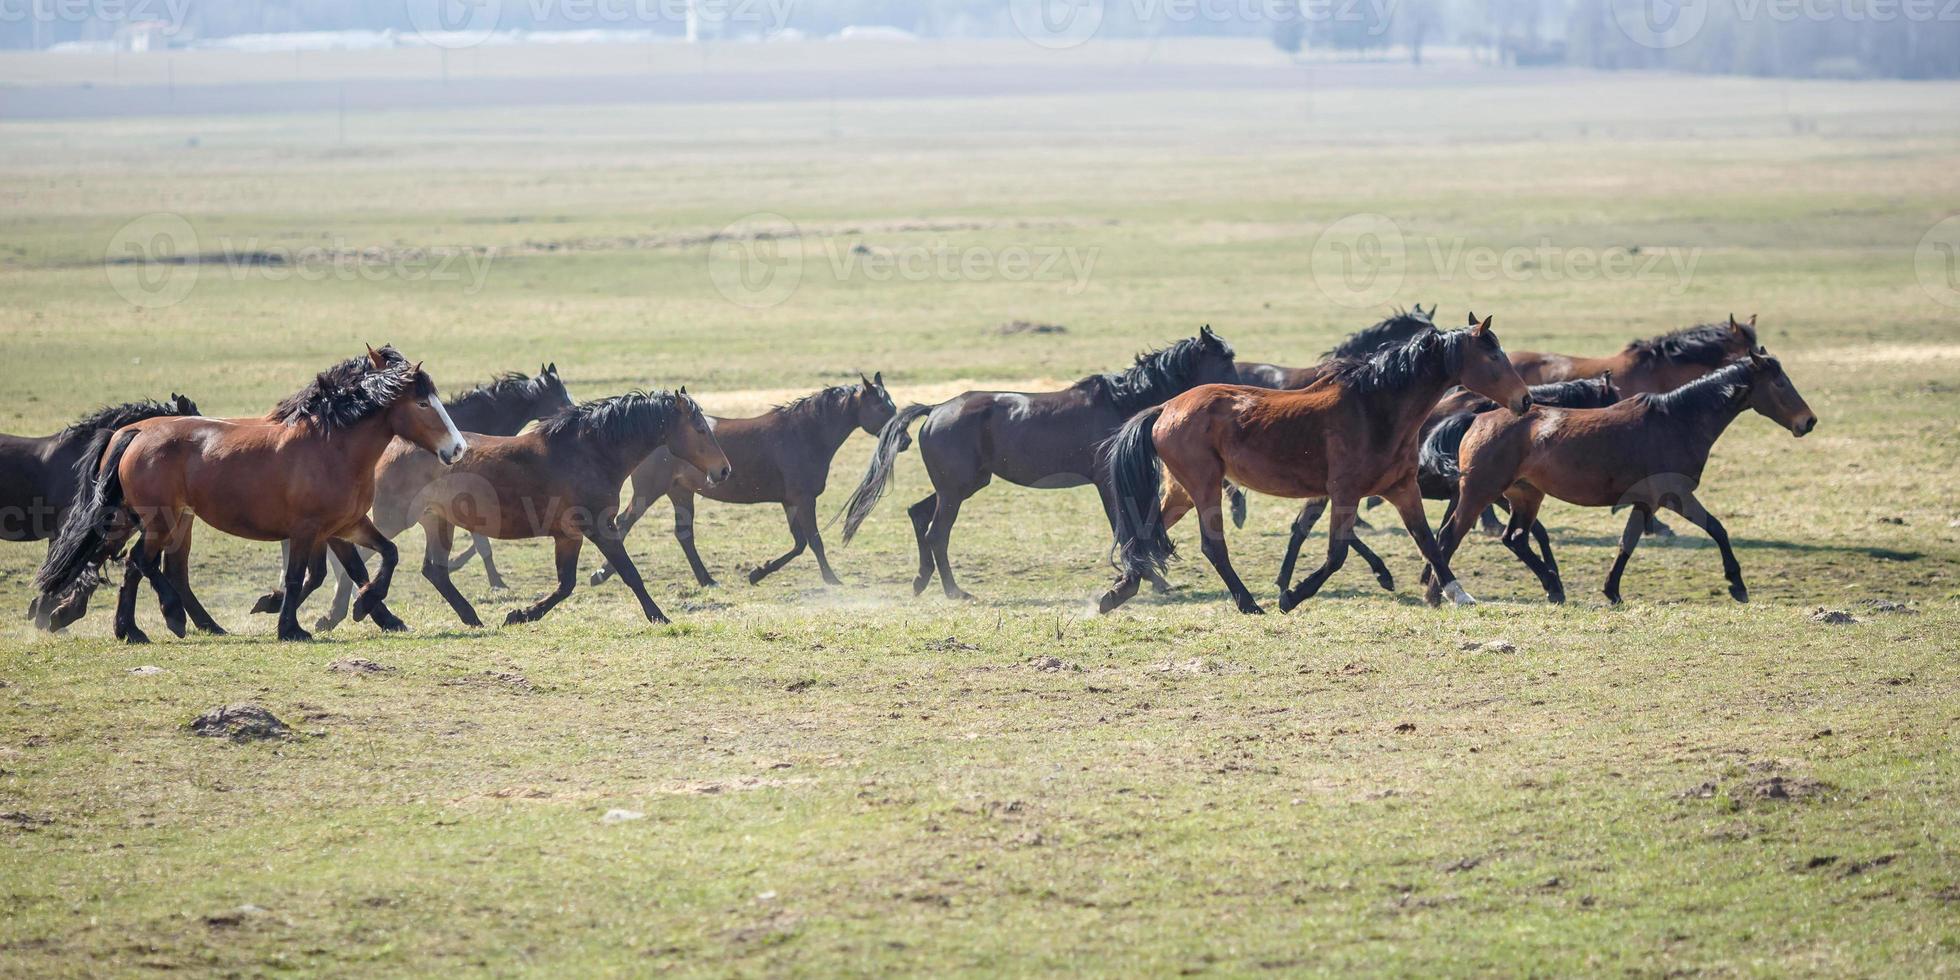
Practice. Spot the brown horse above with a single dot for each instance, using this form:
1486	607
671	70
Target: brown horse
1044	440
304	472
561	480
500	408
1650	366
1646	453
1351	435
782	456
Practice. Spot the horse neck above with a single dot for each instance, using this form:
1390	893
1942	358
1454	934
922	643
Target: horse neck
361	443
482	413
1410	405
827	424
1698	420
625	455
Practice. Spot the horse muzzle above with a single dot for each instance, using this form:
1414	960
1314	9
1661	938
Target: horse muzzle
717	476
450	455
1802	428
1524	403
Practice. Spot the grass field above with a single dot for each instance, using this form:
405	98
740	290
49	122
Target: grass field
854	780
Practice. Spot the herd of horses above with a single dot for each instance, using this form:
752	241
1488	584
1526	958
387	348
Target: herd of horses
1400	411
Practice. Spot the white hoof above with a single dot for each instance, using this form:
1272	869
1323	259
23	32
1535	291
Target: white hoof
1455	591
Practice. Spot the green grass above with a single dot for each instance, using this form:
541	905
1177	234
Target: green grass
852	780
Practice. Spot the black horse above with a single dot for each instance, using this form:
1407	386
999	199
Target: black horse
1044	440
40	475
502	407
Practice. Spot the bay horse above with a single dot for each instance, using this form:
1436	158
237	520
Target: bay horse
1351	435
1651	366
1436	470
1646	452
782	456
561	480
41	476
304	472
1044	440
501	407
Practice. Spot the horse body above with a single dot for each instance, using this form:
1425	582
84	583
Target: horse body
1352	435
1044	440
304	472
561	480
1647	452
782	456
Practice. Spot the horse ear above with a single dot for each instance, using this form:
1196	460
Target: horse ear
1473	318
864	380
374	357
551	368
878	378
683	389
417	369
1480	329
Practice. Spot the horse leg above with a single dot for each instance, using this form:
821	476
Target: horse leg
613	547
1205	498
1658	529
1545	548
683	501
798	541
177	568
1340	531
565	549
815	537
349	558
941	534
345	581
1629	539
438	535
921	514
1478	489
1690	507
1302	527
147	553
365	534
126	629
1375	563
298	560
481	545
271	601
1517	537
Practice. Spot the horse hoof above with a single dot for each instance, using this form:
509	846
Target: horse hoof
1251	609
268	603
756	575
323	624
135	637
497	585
1457	596
659	619
215	630
515	617
1612	598
919	584
708	583
961	595
1387	581
1556	598
295	635
832	580
597	578
176	627
1739	593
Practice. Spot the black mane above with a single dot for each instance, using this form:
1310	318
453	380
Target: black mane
352	391
1724	385
509	386
1706	344
117	416
1577	393
819	399
618	418
1160	374
1399	328
1394	368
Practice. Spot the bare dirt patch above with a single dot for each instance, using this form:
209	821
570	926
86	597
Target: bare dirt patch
241	722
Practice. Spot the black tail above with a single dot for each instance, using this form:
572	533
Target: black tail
1237	496
1436	462
84	539
892	440
1129	460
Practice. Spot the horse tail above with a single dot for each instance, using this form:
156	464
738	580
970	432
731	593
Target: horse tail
84	538
1437	458
1129	459
892	440
1236	494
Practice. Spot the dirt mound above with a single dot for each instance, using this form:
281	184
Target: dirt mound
242	722
359	665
